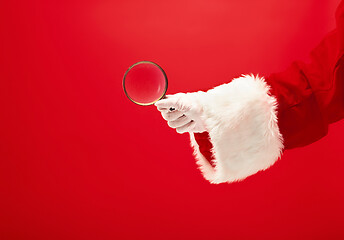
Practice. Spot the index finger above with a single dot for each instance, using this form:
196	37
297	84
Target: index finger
165	103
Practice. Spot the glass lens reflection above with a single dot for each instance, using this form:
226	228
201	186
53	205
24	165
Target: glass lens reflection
145	83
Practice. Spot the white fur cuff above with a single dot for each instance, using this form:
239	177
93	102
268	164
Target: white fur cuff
241	118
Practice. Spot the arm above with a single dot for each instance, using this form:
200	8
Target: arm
311	96
251	120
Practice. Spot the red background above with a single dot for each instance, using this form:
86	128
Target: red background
80	161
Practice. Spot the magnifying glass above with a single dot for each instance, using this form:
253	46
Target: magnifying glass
145	83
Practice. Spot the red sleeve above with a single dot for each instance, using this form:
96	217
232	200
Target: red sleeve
311	96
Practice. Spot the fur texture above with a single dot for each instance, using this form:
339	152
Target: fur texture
242	123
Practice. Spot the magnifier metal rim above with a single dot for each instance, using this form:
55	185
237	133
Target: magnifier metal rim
163	72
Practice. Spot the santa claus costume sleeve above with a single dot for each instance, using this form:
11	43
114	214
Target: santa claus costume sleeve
252	119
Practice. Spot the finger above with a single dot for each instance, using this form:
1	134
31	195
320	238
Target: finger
162	109
186	128
167	103
171	116
179	122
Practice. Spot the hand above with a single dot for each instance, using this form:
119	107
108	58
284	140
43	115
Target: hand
183	111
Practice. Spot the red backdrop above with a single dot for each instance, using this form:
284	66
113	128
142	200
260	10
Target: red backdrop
80	161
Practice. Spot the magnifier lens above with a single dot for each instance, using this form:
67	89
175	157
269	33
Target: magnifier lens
145	83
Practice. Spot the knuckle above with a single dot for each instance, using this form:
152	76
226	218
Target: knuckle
169	116
170	124
164	116
174	116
